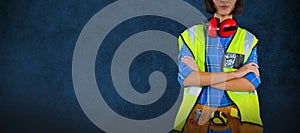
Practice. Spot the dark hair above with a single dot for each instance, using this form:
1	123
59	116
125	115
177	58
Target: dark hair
209	7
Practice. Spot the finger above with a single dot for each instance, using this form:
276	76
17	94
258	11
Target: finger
253	64
188	61
190	58
182	59
189	64
185	62
255	71
252	69
249	64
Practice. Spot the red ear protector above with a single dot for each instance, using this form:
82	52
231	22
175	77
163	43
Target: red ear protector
225	29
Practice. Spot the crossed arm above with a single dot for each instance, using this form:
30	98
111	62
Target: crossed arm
231	81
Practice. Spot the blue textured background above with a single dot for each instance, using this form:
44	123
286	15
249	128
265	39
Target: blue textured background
38	37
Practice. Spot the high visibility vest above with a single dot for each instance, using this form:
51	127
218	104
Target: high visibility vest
242	43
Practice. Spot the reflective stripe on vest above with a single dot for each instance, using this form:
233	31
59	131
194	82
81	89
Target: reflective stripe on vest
247	102
193	38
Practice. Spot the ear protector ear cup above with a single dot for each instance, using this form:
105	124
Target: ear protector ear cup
212	27
228	27
225	29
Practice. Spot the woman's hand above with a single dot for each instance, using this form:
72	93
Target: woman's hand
189	61
251	67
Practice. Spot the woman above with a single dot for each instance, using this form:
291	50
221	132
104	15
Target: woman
219	73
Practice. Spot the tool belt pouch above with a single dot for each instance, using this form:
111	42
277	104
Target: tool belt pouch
225	120
219	122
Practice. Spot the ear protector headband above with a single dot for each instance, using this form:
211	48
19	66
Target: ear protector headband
225	29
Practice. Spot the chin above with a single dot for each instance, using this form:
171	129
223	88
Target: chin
224	13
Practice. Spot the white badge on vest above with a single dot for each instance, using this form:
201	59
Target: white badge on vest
233	60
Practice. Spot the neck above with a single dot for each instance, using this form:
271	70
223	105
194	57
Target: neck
223	17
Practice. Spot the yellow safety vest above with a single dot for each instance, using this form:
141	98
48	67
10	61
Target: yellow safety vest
242	43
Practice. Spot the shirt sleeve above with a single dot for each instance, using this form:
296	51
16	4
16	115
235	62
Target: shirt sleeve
184	70
251	76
